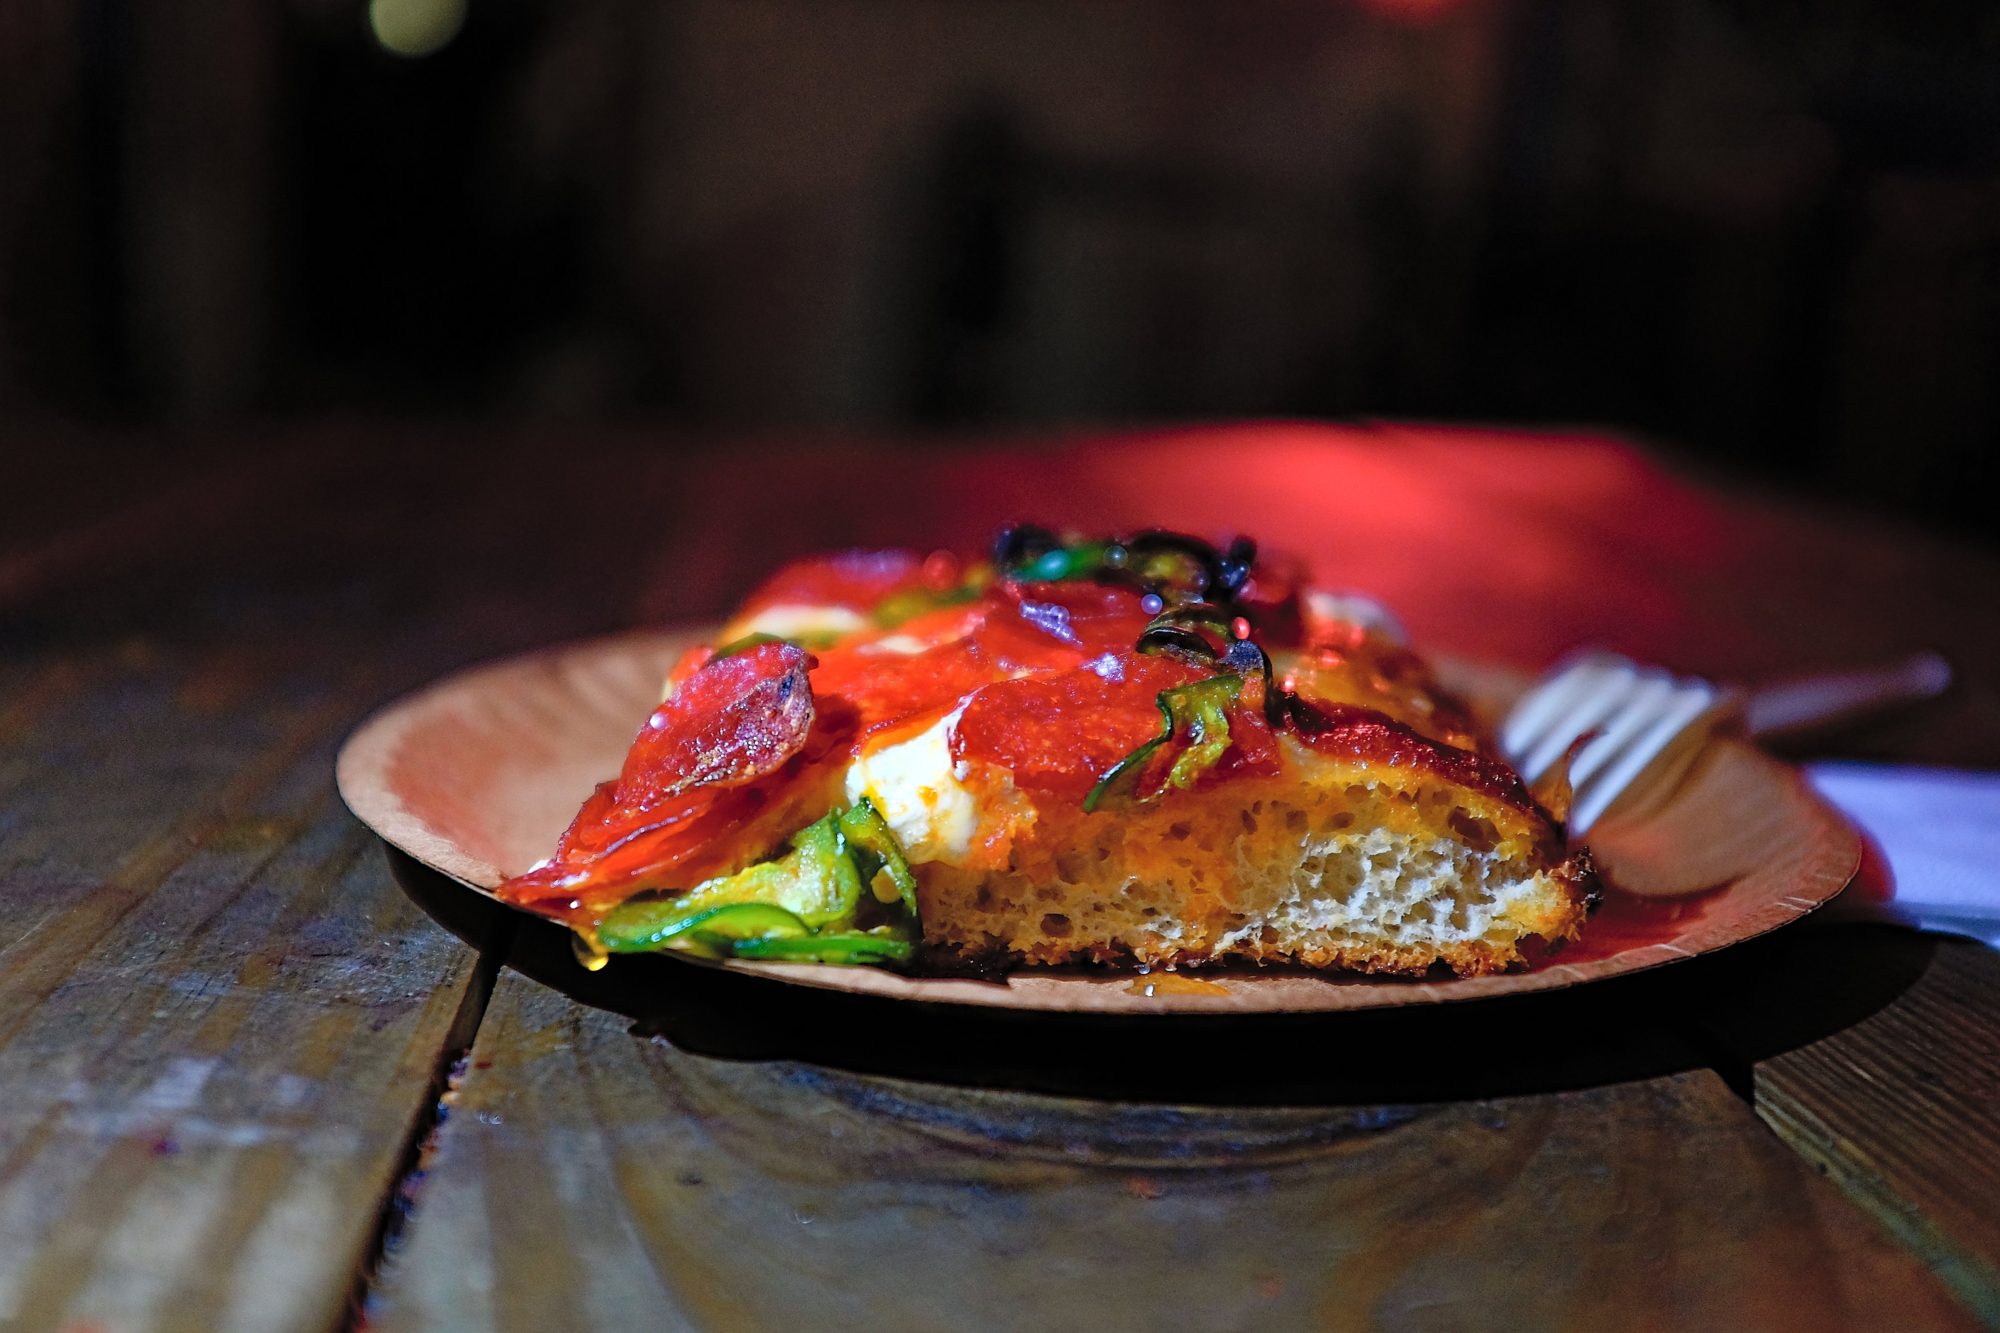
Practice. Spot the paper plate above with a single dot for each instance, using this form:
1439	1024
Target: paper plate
477	775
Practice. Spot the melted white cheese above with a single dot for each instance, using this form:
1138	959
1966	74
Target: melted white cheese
788	620
792	620
918	791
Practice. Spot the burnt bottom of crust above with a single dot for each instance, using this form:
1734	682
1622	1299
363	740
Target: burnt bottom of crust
997	964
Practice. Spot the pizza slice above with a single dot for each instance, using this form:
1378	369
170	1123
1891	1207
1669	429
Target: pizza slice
1143	752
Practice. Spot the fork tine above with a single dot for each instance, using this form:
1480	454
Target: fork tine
1650	693
1544	706
1591	698
1692	703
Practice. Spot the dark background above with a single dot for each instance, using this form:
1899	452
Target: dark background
1767	236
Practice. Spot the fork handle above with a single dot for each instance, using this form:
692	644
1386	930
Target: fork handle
1809	703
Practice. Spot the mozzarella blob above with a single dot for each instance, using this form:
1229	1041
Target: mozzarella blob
919	792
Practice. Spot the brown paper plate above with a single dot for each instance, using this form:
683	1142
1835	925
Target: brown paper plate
478	774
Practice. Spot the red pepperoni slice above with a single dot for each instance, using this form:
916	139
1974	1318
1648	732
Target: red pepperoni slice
1252	752
1094	617
731	722
853	579
861	688
1273	599
689	662
1060	732
602	860
876	687
734	720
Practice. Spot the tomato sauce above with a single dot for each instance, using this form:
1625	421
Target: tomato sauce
1625	921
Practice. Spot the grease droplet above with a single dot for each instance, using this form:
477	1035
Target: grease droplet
1170	983
588	952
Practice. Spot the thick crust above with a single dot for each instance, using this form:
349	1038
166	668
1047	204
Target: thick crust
1578	896
1331	868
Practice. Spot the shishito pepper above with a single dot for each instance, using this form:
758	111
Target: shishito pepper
635	927
800	907
899	607
876	852
816	881
854	946
1197	710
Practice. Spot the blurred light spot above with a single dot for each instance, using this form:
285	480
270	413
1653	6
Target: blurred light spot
415	27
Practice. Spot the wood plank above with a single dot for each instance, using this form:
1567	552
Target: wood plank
219	1020
591	1176
1900	1107
177	888
221	1024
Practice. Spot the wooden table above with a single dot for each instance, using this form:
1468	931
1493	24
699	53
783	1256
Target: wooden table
247	1082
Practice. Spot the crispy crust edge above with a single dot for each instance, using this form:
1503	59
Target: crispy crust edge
1576	874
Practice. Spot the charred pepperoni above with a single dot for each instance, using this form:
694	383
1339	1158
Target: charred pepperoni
733	721
1349	731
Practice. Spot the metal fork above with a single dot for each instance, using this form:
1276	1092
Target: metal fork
1646	725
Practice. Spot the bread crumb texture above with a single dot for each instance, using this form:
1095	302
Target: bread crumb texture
1333	866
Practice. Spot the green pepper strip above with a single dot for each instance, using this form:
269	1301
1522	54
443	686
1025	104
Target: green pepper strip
1208	729
869	835
1196	707
898	607
1063	562
851	947
1170	571
637	926
833	859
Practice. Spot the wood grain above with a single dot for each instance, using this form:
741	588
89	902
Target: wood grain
1898	1106
221	1025
590	1178
218	1020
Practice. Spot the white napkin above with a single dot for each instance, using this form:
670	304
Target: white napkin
1939	830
